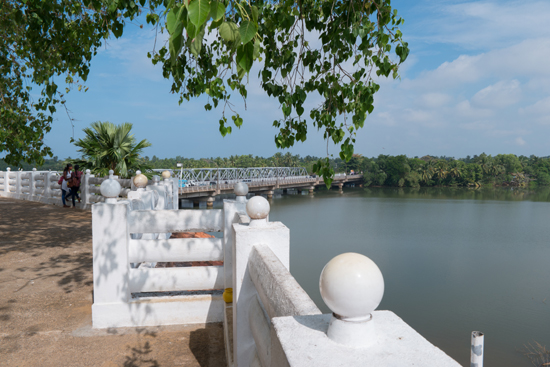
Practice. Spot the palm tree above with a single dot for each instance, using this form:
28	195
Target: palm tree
110	147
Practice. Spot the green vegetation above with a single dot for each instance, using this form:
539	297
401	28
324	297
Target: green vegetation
111	147
322	48
397	171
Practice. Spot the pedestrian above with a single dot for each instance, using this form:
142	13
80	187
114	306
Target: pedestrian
76	178
64	187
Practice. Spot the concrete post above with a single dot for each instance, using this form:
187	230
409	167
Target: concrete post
31	184
47	188
231	209
85	190
111	266
276	236
7	180
476	354
18	184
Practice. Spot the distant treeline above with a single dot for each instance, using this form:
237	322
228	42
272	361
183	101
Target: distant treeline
384	170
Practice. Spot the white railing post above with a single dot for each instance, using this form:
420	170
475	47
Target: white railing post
111	264
476	352
7	180
85	190
231	208
276	236
48	188
18	184
32	184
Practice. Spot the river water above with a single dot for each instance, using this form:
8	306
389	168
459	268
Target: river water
453	260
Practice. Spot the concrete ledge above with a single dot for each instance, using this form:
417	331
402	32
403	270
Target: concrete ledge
154	311
305	343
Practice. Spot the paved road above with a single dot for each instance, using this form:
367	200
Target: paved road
46	299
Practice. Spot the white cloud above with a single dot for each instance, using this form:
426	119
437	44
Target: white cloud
540	111
498	95
484	24
434	100
519	141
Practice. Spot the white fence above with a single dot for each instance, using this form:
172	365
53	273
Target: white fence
271	321
42	186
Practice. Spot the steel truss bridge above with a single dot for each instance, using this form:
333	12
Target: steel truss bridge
238	174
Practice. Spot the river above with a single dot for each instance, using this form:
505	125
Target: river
454	260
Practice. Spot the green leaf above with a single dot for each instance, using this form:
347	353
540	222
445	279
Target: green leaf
245	56
198	12
256	48
217	10
247	30
229	31
254	11
196	44
117	28
171	20
191	30
176	41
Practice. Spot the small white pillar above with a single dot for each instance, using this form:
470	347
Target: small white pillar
32	187
110	236
231	208
7	180
476	354
85	190
18	184
352	286
48	198
276	236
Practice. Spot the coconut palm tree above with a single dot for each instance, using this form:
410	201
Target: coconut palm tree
111	147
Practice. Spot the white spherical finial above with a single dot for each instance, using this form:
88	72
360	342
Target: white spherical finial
166	175
257	209
110	189
140	181
34	169
88	171
111	173
352	286
241	190
8	169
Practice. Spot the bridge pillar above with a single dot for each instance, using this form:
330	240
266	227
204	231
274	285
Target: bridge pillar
196	203
341	188
210	202
311	188
285	191
299	191
270	194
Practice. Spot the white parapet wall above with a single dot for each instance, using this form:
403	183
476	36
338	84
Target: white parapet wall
276	324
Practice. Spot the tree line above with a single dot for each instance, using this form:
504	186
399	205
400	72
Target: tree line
384	170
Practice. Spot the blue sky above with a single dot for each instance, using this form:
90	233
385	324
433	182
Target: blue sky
477	80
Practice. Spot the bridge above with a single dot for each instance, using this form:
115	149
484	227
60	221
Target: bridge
203	184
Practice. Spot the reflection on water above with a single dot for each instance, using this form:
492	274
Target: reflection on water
454	260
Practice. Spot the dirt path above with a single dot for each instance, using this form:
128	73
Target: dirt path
46	299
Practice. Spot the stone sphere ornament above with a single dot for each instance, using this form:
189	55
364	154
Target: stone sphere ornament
352	286
257	209
166	174
110	189
241	189
140	181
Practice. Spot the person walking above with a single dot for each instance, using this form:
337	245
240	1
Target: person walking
76	178
64	187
